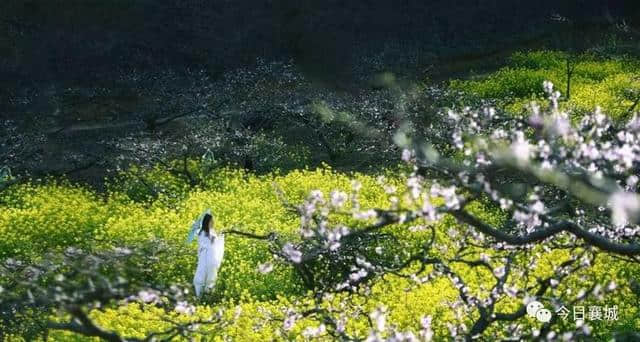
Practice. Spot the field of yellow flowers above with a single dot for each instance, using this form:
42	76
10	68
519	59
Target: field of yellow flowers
51	215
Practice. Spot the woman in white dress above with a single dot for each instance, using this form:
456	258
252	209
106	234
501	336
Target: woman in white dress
210	252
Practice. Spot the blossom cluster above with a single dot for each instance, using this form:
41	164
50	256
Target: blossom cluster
548	176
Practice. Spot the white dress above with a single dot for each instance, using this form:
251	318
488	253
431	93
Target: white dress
210	253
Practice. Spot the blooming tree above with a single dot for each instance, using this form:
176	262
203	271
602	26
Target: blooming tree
562	188
261	117
60	291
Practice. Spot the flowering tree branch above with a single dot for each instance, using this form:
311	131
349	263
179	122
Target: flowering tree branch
76	282
547	178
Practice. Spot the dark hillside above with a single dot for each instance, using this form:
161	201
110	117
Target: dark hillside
74	40
67	66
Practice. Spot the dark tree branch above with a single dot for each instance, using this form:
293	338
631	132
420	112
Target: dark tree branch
542	234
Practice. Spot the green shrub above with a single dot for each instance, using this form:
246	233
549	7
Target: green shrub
611	84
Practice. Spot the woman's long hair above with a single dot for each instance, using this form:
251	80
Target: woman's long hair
206	223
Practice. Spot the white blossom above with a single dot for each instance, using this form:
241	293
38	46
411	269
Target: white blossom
625	207
379	318
265	268
499	271
185	308
406	155
521	148
292	253
311	332
338	198
148	296
289	321
365	215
